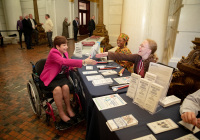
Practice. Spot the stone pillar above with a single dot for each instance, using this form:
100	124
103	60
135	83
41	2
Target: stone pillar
100	28
143	19
12	11
42	39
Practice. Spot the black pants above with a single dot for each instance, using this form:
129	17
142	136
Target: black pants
75	34
49	37
2	41
91	33
35	34
28	40
20	36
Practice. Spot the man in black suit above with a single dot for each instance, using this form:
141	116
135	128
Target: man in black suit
34	27
27	31
91	26
76	26
1	37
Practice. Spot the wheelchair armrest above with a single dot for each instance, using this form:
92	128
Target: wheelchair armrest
35	76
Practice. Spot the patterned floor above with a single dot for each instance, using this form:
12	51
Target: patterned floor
17	120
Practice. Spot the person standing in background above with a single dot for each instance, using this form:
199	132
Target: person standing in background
27	31
48	27
1	37
91	26
34	26
76	26
20	29
65	28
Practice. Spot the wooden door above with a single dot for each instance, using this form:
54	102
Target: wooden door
84	17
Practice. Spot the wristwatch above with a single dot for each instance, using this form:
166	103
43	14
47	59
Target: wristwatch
84	64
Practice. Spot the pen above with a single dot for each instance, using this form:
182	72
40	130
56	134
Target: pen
118	85
116	89
121	72
102	62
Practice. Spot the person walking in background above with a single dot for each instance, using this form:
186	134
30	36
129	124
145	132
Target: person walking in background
27	31
91	25
48	27
76	26
65	28
20	29
34	26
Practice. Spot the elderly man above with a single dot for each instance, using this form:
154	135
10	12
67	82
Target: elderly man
48	27
190	108
91	26
76	27
20	28
34	27
27	31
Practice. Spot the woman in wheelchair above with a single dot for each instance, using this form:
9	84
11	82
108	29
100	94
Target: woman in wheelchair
55	73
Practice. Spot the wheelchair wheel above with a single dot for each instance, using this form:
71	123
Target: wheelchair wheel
34	97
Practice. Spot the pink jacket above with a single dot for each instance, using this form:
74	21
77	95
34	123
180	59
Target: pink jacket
54	64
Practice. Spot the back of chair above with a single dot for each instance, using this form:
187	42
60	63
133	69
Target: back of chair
39	66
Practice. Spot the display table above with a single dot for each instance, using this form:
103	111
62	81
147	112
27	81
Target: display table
143	118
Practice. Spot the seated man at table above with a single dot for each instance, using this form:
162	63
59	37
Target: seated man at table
190	108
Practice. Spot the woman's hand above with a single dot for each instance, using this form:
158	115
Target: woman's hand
90	61
101	55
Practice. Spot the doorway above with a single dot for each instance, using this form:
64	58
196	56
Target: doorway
84	16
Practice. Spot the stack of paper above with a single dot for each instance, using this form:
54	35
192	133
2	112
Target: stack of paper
111	72
122	80
89	72
100	82
187	137
94	77
108	101
121	122
89	67
150	76
170	100
147	137
162	126
190	127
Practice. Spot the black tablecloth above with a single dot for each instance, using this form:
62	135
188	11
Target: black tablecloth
92	91
143	118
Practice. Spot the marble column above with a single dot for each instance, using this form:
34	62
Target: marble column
143	19
12	11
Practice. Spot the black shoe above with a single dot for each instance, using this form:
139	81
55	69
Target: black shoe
64	125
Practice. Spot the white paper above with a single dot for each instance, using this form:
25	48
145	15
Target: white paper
78	49
101	66
189	127
147	137
153	97
109	101
100	82
150	76
112	72
170	100
94	77
141	92
89	67
122	80
134	81
89	72
187	137
164	75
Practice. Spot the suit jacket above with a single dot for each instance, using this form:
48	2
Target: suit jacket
75	25
27	26
91	25
35	23
53	65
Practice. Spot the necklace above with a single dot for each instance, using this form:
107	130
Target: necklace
140	67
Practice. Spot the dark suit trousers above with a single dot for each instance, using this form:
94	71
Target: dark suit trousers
75	34
2	41
91	33
28	40
20	36
49	37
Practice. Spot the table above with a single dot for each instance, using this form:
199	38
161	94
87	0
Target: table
91	91
143	118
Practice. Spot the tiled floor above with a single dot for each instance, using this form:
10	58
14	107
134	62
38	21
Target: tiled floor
17	120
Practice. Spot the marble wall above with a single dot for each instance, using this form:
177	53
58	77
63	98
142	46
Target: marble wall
188	29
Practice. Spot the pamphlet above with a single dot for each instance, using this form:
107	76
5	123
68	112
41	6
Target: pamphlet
94	77
190	127
153	97
141	92
107	73
78	49
121	122
100	82
89	72
122	80
164	75
147	137
108	101
150	76
170	100
187	137
162	126
89	67
134	81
